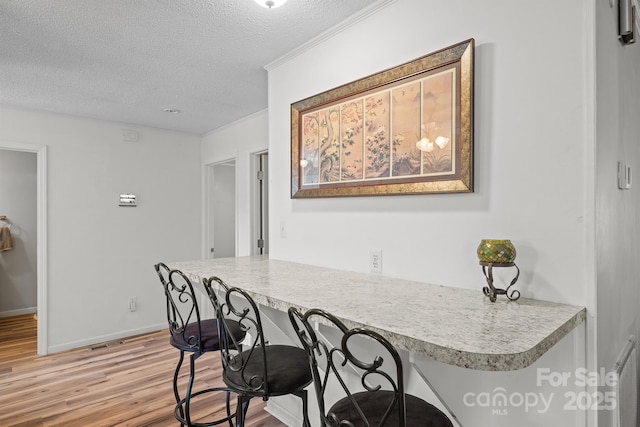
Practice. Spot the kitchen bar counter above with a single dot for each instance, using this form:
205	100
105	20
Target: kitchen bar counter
456	326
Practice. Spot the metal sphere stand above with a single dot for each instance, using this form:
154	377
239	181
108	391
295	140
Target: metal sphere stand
491	291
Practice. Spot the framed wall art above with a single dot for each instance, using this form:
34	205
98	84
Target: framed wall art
405	130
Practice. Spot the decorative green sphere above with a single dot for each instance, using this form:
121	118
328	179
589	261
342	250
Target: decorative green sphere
496	251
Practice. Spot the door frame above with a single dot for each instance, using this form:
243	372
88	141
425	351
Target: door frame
41	245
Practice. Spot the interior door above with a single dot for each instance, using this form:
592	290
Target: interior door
262	211
222	208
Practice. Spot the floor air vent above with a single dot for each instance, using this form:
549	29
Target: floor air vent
105	345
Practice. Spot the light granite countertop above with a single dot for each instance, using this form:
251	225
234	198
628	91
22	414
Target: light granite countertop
456	326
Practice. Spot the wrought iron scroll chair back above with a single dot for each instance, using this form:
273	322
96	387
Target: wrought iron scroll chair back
358	377
260	369
189	334
182	311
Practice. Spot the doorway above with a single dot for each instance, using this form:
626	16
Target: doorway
260	245
41	232
221	208
18	225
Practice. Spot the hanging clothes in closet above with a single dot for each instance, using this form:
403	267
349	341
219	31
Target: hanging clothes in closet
6	241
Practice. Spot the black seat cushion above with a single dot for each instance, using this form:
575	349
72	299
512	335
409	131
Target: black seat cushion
210	338
374	405
288	369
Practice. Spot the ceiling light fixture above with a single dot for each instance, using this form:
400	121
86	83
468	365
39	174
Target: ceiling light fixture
271	4
171	110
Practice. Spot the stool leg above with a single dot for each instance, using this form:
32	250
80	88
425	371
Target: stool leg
229	409
305	409
175	384
241	410
187	401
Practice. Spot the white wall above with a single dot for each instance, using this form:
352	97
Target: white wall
240	141
530	144
618	228
99	254
18	275
533	145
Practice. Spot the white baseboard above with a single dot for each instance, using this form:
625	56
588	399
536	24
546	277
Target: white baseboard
20	312
105	338
282	413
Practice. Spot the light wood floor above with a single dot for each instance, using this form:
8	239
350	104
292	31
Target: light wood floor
126	384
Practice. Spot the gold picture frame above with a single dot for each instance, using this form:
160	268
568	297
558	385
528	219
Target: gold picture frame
405	130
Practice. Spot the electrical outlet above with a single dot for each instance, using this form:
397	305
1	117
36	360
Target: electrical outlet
133	303
624	176
375	260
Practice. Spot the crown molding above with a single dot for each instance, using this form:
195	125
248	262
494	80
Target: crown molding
359	16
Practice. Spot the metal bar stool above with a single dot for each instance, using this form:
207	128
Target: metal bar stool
261	370
191	334
377	397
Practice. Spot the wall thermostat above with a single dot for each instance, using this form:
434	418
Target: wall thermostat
128	200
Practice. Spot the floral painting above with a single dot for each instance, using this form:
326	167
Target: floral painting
377	137
413	129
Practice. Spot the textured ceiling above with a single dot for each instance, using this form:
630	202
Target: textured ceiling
127	60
